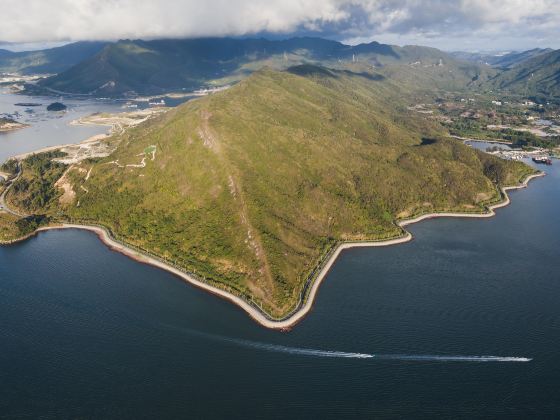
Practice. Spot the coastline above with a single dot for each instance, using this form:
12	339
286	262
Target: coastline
306	303
92	139
13	127
114	122
467	139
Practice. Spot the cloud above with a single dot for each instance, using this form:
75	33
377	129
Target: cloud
55	20
432	21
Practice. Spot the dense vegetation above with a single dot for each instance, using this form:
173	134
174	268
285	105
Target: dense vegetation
35	191
10	166
8	228
13	227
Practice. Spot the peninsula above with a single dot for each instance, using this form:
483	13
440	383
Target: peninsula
252	192
8	124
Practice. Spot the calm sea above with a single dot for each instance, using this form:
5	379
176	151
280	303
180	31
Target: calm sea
88	333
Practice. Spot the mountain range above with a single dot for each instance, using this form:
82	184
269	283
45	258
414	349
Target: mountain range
138	67
153	67
538	76
48	61
501	60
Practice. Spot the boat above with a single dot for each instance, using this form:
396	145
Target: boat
544	160
154	103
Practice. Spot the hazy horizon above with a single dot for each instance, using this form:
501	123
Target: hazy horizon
36	46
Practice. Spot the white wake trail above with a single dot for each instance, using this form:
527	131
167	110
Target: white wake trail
398	357
303	351
441	358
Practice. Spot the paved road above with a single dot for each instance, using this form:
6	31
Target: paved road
3	205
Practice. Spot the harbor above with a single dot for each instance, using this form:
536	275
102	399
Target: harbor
538	155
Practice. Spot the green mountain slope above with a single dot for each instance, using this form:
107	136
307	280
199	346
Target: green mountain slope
501	60
53	60
165	65
514	59
538	76
249	187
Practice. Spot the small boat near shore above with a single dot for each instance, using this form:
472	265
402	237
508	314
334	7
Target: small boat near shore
544	160
157	103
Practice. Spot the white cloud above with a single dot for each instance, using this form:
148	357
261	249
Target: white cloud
53	20
430	21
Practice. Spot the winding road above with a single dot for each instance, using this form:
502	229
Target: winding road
3	205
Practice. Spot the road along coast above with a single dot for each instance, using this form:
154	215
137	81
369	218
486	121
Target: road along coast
312	284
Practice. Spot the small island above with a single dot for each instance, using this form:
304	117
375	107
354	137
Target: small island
27	104
56	106
8	124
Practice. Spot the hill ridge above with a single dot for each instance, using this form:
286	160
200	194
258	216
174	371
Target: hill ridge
288	163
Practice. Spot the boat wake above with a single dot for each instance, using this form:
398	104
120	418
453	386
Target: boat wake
438	358
397	357
303	351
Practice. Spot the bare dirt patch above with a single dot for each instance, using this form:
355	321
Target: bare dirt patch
65	185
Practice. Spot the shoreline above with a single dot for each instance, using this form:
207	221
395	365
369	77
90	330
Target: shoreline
13	127
91	139
303	307
467	139
114	124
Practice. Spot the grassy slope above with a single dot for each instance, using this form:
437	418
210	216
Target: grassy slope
8	228
251	185
13	228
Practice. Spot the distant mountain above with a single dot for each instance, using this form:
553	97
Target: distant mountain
538	76
149	67
6	53
501	60
515	58
479	58
52	60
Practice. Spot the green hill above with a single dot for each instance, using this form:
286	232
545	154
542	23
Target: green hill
150	67
250	186
516	58
502	61
536	77
52	60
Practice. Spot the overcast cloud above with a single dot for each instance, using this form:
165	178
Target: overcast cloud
451	24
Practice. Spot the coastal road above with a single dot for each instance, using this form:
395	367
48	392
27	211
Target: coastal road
3	206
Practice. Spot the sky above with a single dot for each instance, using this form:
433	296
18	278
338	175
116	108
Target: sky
467	25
